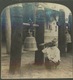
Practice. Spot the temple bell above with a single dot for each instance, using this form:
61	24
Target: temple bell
30	43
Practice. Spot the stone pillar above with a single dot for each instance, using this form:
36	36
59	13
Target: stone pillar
8	30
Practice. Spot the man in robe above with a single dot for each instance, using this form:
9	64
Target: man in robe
52	59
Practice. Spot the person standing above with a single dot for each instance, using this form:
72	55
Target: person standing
68	41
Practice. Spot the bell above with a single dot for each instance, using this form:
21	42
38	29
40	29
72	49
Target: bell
30	43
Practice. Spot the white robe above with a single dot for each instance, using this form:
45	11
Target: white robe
53	53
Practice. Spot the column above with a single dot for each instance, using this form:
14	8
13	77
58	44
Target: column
8	30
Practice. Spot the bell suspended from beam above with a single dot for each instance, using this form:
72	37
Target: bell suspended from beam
30	43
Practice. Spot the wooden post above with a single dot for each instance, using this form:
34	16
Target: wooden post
70	22
25	20
35	8
8	30
72	33
16	39
39	56
61	32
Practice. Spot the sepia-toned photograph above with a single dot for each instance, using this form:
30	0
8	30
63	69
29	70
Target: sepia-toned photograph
36	41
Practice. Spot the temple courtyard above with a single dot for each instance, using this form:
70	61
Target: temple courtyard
28	70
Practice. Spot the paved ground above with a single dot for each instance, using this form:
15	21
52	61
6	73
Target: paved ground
28	70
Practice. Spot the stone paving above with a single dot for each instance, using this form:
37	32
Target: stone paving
28	70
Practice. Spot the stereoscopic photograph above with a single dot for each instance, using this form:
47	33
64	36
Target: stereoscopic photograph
36	41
